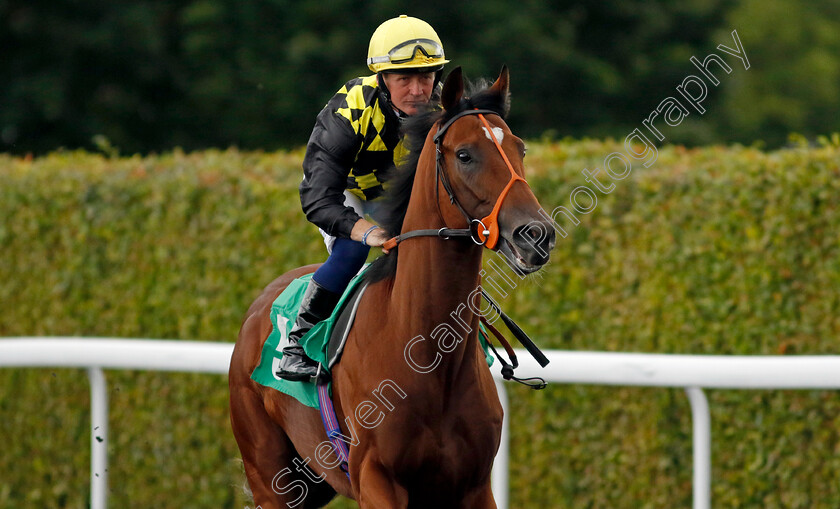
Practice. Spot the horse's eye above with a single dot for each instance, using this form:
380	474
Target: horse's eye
463	156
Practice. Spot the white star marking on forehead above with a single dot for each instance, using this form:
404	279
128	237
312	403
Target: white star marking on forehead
497	132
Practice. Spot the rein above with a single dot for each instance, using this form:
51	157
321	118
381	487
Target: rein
487	229
536	383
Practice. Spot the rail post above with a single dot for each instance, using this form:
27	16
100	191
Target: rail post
98	438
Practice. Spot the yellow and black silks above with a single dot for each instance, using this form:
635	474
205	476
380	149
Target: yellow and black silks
354	144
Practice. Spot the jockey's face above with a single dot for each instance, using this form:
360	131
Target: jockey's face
410	92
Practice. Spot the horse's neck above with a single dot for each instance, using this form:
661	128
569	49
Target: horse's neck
430	303
435	277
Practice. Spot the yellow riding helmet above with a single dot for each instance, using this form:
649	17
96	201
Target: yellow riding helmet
405	43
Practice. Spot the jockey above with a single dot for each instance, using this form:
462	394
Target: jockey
356	140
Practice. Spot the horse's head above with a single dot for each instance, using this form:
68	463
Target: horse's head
481	172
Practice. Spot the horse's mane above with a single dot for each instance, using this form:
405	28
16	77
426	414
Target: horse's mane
416	129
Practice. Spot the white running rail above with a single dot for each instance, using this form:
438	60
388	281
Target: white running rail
691	372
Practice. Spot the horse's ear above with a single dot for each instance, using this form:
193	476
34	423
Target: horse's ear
502	87
453	89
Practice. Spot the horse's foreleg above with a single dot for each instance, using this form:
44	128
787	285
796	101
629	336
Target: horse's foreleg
376	490
276	482
264	448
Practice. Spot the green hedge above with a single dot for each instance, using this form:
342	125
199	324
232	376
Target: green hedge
715	250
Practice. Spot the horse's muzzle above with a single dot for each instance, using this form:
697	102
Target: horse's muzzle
528	246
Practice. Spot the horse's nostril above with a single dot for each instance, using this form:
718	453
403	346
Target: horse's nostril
535	236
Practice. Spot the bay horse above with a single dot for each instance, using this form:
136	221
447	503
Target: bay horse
413	392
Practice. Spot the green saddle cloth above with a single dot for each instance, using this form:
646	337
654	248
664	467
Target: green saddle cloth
284	312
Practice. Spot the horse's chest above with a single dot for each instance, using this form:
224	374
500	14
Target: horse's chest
451	447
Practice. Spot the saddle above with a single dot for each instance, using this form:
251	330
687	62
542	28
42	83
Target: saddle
324	343
343	324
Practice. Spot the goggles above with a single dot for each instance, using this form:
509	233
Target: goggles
407	51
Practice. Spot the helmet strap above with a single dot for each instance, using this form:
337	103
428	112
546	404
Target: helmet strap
436	89
380	77
386	94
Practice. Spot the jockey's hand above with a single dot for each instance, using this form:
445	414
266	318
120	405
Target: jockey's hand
375	238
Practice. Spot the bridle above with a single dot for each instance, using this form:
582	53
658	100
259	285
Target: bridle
487	234
485	231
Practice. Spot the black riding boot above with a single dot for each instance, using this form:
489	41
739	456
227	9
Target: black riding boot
317	304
